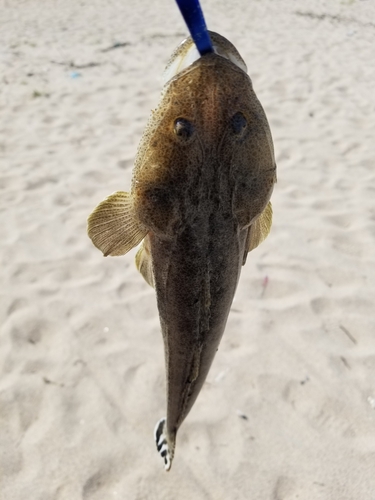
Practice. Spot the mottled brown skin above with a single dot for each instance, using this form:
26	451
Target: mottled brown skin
200	193
197	194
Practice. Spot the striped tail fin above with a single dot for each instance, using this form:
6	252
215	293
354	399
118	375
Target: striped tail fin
160	435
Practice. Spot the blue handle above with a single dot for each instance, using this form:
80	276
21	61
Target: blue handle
192	13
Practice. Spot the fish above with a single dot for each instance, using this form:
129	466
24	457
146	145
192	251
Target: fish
199	203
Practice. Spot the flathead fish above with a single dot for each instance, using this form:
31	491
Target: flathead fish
199	202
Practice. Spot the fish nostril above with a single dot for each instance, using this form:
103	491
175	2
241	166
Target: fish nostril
238	123
183	128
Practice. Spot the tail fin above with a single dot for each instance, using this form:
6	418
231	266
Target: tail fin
160	435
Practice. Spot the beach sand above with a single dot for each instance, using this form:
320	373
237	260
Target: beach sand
288	409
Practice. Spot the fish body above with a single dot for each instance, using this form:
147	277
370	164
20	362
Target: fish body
199	202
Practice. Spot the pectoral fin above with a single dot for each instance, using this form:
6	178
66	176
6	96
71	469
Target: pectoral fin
143	261
113	227
259	230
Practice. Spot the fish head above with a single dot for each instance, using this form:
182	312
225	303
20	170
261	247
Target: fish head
209	120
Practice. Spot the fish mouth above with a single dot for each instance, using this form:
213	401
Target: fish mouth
187	53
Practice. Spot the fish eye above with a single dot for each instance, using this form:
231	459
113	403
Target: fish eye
238	123
183	128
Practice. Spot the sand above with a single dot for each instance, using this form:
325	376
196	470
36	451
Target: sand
288	409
